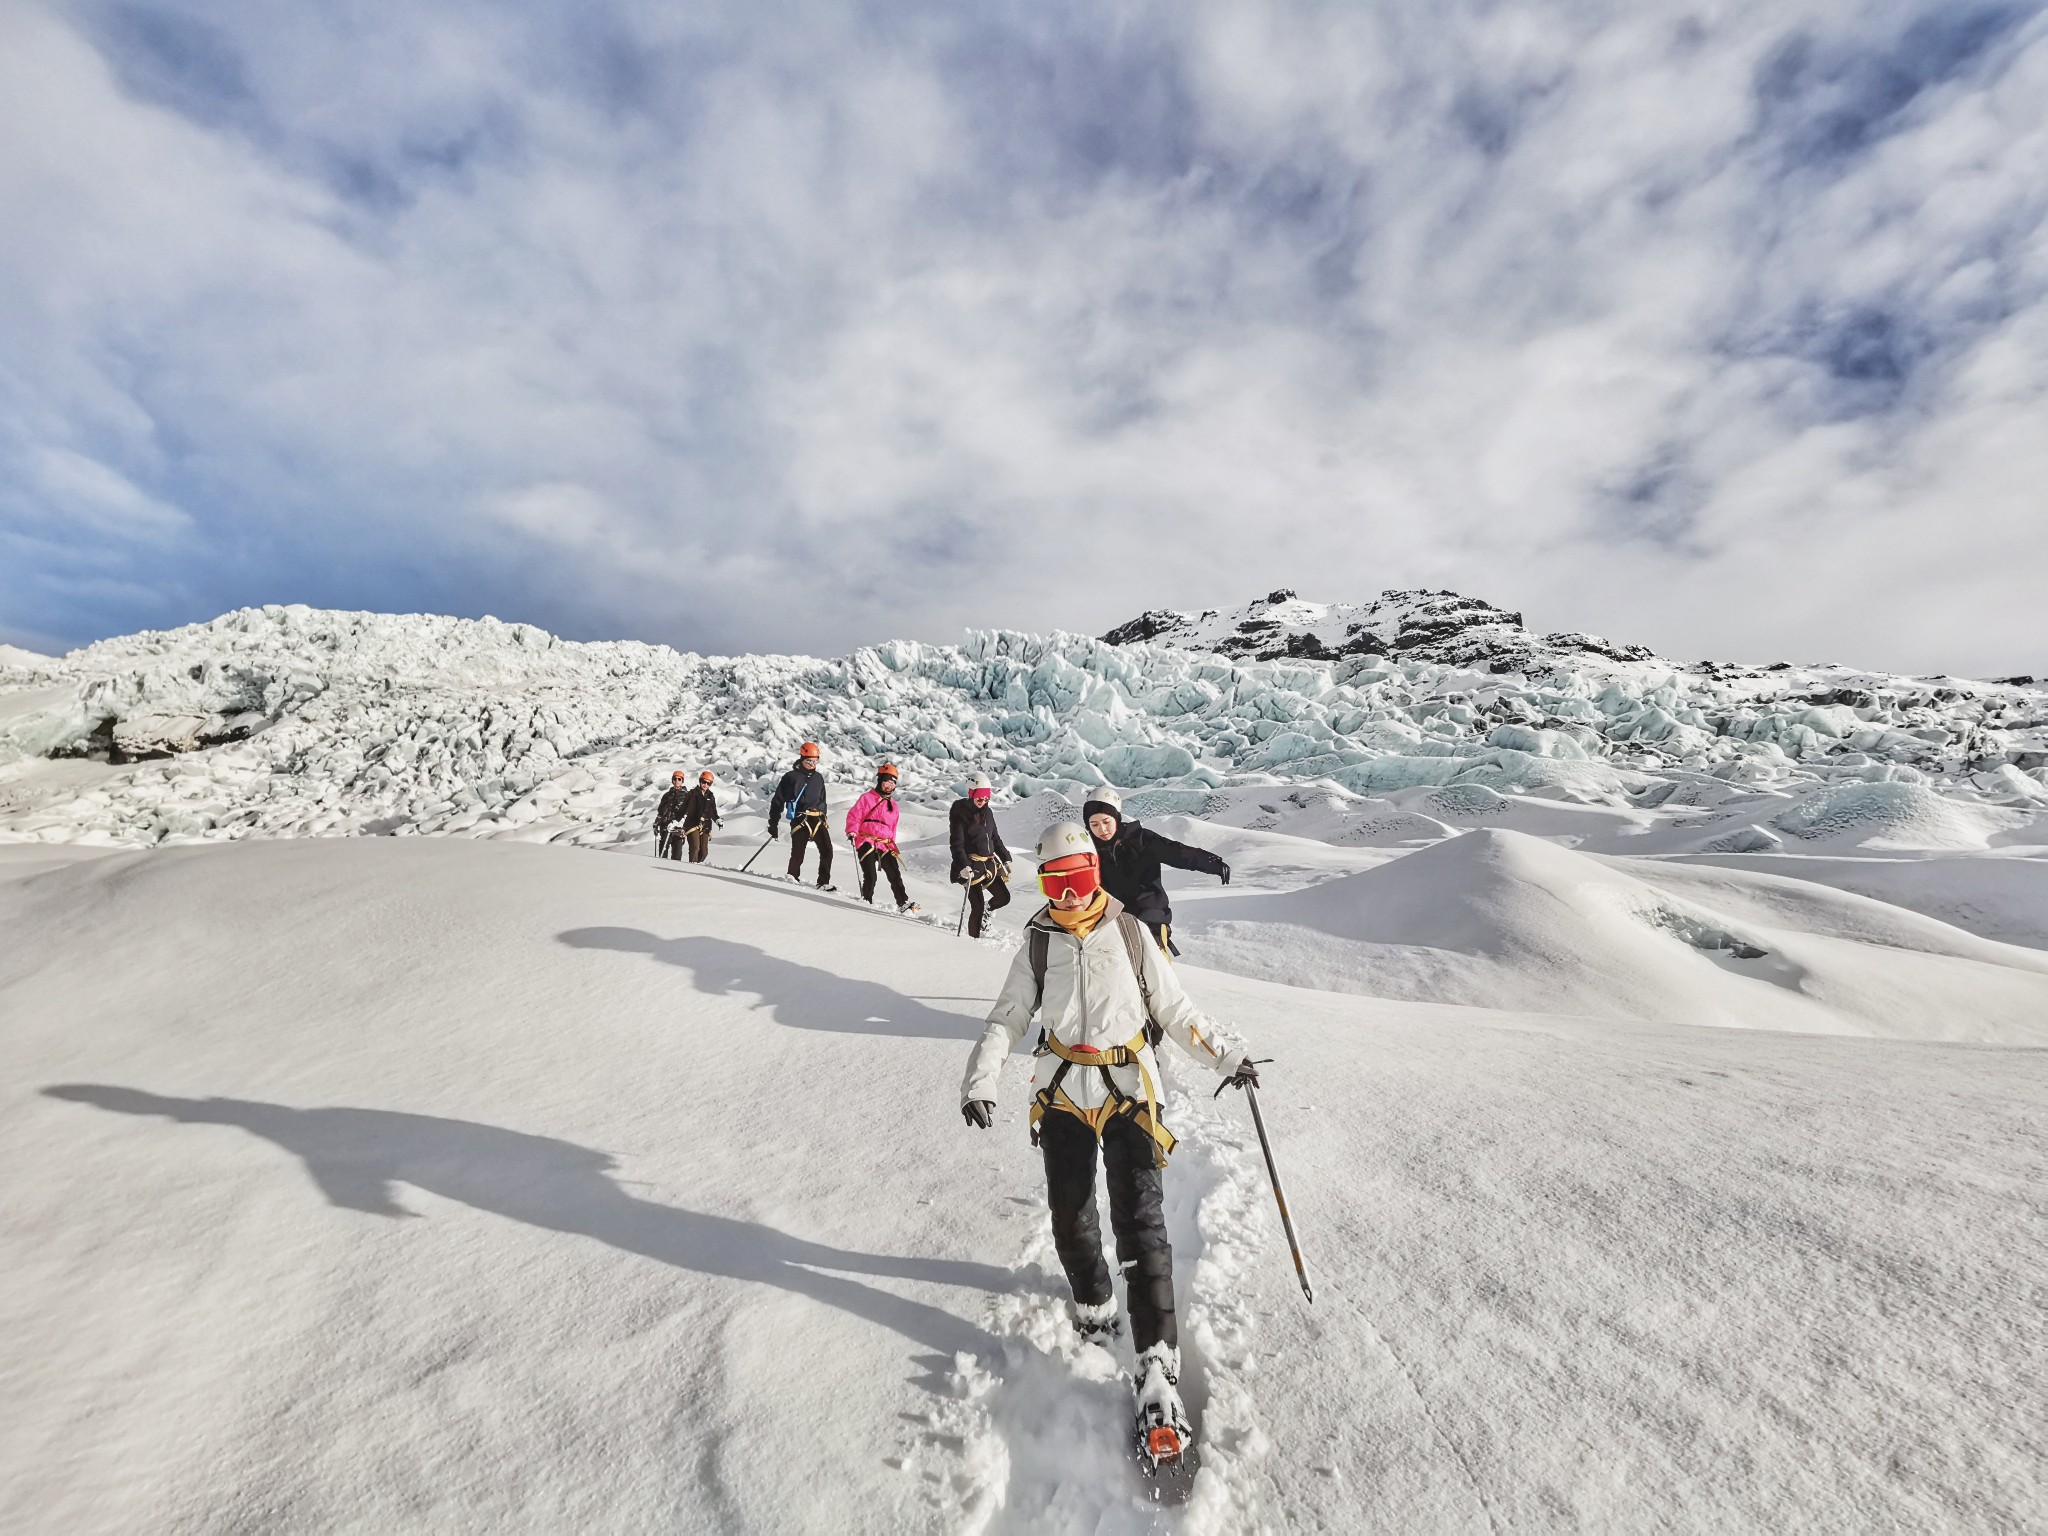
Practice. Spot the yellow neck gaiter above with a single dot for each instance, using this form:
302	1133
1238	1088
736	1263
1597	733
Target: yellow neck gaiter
1082	923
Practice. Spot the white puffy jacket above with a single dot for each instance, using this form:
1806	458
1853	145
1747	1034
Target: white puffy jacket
1092	999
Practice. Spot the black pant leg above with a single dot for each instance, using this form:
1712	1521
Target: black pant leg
974	901
893	865
998	895
824	839
1069	1149
1137	1214
868	858
796	849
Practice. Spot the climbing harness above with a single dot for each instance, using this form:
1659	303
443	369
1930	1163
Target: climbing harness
1053	1095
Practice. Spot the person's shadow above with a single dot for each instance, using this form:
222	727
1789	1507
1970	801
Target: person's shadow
355	1156
802	996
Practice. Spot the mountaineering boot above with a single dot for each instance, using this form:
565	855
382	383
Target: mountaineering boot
908	907
1162	1420
1097	1322
823	886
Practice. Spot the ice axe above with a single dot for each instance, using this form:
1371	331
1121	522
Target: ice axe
757	853
1251	1095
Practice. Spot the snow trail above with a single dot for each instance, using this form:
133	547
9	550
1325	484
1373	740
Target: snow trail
1061	1407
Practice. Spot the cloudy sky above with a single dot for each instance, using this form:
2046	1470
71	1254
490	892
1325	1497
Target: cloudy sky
1719	326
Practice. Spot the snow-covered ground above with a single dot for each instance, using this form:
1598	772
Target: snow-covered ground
452	1185
391	1144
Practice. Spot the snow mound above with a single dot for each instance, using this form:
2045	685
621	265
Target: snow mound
1495	918
1889	817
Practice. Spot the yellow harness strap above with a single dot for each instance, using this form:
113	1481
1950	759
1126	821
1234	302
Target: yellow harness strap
1053	1096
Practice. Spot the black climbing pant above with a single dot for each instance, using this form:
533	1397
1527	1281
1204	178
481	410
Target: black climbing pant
805	830
875	860
1137	1215
993	892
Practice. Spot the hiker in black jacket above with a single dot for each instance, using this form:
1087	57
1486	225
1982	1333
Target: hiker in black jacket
692	812
980	861
667	814
699	816
801	795
1131	857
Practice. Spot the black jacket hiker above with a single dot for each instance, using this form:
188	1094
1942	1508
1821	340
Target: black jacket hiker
1131	862
801	791
974	835
693	812
670	811
979	859
802	794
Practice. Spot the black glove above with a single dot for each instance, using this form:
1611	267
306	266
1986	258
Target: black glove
959	877
979	1113
774	829
1224	874
1246	1076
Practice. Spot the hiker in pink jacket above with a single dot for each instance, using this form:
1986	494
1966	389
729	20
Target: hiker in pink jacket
871	828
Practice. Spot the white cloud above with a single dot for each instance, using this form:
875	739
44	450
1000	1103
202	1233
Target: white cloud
1723	332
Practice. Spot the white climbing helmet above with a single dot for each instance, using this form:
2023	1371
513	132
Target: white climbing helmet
1065	840
1105	794
980	781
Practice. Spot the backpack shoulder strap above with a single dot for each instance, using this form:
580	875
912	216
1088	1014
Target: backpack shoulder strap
1041	950
1135	939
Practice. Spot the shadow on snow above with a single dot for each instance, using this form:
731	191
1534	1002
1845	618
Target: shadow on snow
801	996
355	1156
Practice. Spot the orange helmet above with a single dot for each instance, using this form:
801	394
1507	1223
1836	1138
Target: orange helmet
808	749
886	771
676	777
706	776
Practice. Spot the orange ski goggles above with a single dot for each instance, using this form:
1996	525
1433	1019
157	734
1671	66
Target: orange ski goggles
1078	874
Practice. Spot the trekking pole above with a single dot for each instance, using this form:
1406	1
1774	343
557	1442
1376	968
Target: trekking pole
960	925
1279	1195
757	853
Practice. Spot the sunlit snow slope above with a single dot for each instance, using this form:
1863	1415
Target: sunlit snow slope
439	1184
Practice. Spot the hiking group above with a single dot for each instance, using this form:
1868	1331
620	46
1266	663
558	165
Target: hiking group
688	814
1096	976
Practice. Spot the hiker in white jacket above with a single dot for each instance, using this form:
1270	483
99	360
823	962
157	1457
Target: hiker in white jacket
1093	978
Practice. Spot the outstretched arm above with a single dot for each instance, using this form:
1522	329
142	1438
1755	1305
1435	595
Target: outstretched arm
1184	855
